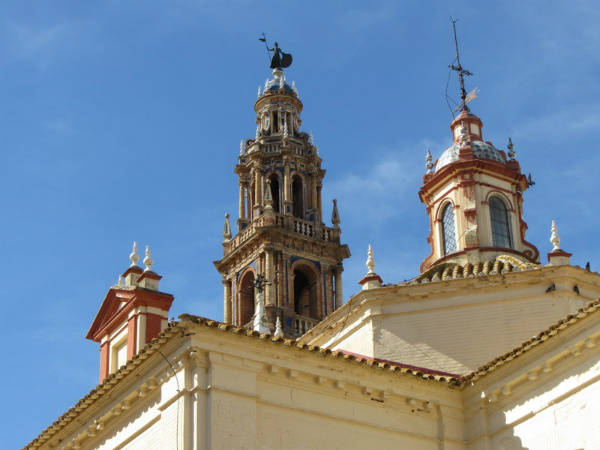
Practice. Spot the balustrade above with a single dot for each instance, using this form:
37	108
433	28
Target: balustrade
301	227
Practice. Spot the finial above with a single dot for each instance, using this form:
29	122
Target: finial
461	73
510	147
259	93
257	131
371	280
335	215
294	88
370	262
311	138
227	229
278	331
429	165
268	195
282	81
148	261
241	147
134	257
554	239
266	85
120	283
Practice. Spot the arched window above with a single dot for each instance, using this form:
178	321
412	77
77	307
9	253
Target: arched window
275	192
500	224
298	197
246	298
305	293
449	229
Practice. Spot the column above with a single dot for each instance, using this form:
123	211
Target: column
248	200
339	293
313	192
270	288
241	213
226	300
286	186
259	187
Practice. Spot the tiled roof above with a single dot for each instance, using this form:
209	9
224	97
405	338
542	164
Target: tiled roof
533	342
346	356
405	366
171	331
451	271
426	374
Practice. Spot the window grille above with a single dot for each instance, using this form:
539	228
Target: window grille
449	229
500	224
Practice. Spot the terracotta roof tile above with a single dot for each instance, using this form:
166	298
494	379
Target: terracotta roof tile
451	271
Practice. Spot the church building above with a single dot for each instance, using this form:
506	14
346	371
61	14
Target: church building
490	347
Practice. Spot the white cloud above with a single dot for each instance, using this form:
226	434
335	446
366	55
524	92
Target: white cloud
384	190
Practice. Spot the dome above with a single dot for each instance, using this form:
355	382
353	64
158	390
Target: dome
275	85
480	150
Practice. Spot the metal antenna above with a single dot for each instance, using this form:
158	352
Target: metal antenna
461	72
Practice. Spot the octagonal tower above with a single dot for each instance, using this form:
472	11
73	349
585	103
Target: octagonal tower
474	198
280	233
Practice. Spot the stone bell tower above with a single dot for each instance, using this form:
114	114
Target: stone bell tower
280	233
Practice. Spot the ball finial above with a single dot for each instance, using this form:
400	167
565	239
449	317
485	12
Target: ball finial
134	257
148	261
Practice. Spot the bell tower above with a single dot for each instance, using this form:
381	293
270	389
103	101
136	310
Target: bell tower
281	238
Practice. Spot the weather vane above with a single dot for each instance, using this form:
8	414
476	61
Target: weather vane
465	98
279	60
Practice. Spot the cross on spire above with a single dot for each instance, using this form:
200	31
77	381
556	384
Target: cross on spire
461	72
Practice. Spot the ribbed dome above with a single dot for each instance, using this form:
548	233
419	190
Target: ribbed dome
275	85
480	150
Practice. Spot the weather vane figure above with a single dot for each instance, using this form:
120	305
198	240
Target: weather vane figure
279	60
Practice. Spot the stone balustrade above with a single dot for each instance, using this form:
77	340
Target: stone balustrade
298	226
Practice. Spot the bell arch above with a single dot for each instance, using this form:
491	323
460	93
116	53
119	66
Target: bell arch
298	196
245	293
306	289
275	191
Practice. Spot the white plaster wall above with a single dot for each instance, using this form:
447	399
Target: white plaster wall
547	399
459	339
357	337
563	417
135	428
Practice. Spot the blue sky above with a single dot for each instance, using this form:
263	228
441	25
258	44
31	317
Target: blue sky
121	121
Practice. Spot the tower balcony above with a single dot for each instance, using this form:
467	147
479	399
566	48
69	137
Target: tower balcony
293	225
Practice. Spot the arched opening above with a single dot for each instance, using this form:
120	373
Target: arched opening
275	192
305	293
246	298
500	224
449	229
298	197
